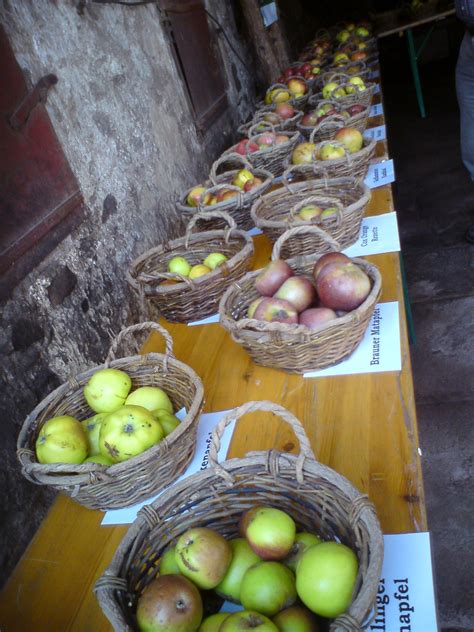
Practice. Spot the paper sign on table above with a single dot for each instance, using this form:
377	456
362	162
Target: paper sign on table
377	88
379	350
207	422
376	110
254	231
406	599
374	74
380	173
214	318
378	234
378	133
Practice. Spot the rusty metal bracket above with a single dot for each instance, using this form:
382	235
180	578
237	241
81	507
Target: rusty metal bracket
36	95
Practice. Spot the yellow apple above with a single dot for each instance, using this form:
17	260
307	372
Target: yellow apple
214	259
61	440
151	398
199	271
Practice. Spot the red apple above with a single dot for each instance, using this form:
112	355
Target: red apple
315	317
303	154
246	146
296	619
169	602
269	531
253	306
351	138
299	291
356	108
306	66
343	286
309	119
252	184
285	110
329	257
268	138
276	310
272	277
281	138
288	73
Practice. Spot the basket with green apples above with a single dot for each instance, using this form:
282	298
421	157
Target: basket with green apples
184	279
346	90
327	116
287	542
109	437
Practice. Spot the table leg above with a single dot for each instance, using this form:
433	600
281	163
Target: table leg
416	74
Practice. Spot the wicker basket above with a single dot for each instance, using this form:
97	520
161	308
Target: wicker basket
295	348
326	129
191	299
365	97
275	212
273	160
353	165
286	125
101	487
297	102
237	207
319	499
328	75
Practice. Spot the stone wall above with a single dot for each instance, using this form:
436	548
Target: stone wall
122	117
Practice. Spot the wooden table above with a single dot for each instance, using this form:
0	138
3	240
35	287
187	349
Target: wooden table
364	426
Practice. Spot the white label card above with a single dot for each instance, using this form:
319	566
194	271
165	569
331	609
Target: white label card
254	231
378	234
406	598
380	173
377	88
214	318
376	110
269	13
378	133
379	350
207	422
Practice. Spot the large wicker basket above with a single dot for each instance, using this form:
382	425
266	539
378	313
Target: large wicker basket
276	211
273	160
239	206
318	498
101	487
295	348
191	299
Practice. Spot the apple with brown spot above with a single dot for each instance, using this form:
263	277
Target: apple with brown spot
275	310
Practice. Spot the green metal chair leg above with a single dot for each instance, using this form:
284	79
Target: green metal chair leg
408	314
416	75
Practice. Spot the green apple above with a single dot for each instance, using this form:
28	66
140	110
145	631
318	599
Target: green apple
247	620
331	152
268	587
92	429
179	265
296	619
326	577
328	89
204	556
331	211
170	603
303	541
107	390
61	440
151	398
214	259
269	531
99	458
167	421
308	212
214	622
127	432
242	559
168	564
243	176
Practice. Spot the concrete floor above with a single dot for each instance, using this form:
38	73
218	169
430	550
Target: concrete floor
434	199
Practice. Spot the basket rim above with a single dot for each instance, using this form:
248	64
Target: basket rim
26	455
263	222
349	160
278	149
297	330
237	234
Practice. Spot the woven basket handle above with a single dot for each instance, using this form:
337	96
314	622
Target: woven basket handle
252	133
318	199
140	327
335	120
250	407
221	187
208	215
338	76
300	230
231	157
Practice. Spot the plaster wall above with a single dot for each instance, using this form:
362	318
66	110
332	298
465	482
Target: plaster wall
125	124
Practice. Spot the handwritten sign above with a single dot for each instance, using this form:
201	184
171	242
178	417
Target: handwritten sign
380	173
378	234
200	461
379	132
379	350
376	110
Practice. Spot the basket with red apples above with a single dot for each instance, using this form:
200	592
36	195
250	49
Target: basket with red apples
184	279
232	191
283	117
305	313
291	542
327	116
266	149
337	206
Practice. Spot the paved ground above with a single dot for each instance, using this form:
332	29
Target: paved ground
435	204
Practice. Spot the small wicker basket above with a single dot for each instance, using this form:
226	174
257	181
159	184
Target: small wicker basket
326	129
296	348
297	102
328	75
273	160
364	97
239	206
191	299
286	125
318	498
102	487
276	211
